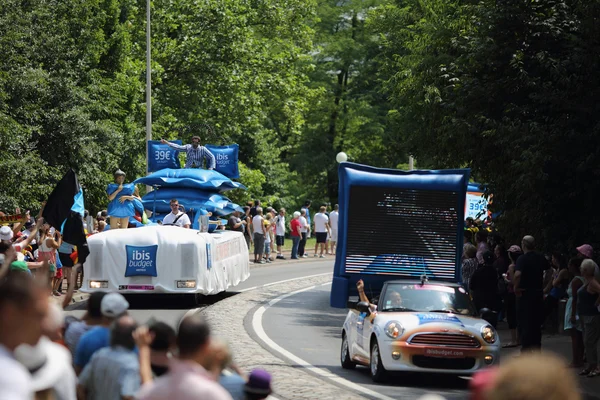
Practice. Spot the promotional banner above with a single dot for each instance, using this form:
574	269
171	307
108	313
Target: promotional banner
141	260
226	158
476	206
161	156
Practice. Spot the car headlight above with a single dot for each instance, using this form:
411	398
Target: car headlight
488	333
394	329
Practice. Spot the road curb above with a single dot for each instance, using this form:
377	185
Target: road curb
228	321
77	298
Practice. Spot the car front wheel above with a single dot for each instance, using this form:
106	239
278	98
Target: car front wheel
378	372
347	362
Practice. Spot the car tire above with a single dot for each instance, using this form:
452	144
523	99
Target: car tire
376	368
345	359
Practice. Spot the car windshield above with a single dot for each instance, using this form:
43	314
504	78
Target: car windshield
426	298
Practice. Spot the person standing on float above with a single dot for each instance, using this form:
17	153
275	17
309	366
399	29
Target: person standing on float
120	197
195	154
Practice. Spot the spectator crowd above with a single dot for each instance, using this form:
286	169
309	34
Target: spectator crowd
520	284
265	230
107	354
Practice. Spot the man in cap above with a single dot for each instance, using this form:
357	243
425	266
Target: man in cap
113	372
112	306
195	154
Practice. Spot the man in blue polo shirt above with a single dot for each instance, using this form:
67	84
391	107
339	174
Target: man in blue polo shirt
113	306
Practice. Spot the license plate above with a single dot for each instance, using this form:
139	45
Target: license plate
444	353
136	287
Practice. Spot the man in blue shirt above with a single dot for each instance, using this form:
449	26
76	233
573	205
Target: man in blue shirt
113	372
195	154
112	307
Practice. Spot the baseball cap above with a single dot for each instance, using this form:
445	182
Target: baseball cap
29	224
113	305
6	233
19	266
514	249
586	250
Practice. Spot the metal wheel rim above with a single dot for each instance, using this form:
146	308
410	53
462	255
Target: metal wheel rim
344	348
374	359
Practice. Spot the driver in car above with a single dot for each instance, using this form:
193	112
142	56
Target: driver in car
176	216
393	299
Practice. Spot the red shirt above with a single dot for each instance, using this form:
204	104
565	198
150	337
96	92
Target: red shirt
294	225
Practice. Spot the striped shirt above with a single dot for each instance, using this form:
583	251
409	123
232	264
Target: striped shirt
196	156
111	374
73	333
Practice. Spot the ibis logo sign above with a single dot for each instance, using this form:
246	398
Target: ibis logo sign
141	260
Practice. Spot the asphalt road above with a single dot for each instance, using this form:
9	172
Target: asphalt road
306	326
170	308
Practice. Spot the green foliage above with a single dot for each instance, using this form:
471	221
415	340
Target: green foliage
508	89
72	87
350	112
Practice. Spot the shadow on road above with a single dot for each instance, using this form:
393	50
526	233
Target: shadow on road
164	301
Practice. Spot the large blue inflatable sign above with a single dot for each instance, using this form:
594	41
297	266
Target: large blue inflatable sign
161	156
226	158
397	224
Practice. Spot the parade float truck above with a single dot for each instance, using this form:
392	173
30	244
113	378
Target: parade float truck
400	238
157	259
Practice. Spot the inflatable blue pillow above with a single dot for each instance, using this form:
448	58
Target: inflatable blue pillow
190	178
186	194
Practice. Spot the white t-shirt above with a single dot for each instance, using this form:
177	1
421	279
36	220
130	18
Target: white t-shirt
257	224
303	225
280	231
321	220
15	380
333	219
184	220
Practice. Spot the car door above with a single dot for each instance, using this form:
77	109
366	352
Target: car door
365	338
363	329
350	327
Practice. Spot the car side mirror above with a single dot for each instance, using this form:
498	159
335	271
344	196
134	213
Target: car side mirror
363	306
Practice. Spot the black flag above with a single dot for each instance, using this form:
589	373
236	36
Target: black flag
64	211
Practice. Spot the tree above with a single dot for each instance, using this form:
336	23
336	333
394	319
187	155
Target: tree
351	111
505	88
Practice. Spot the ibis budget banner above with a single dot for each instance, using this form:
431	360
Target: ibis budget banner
161	156
141	260
226	158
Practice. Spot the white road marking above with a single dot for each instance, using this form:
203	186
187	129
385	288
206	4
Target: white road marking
284	281
260	332
195	310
